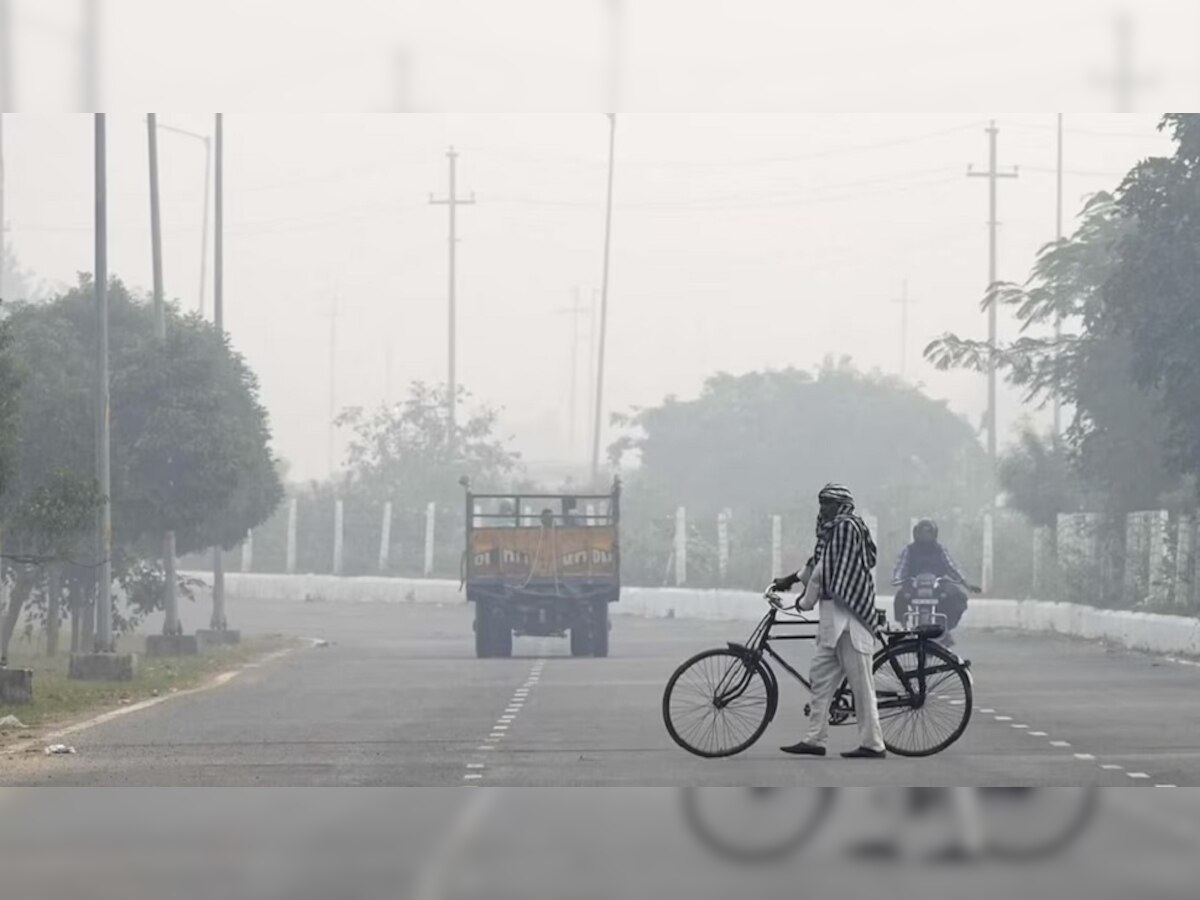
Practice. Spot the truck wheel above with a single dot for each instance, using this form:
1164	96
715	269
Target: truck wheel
599	622
579	639
483	631
502	633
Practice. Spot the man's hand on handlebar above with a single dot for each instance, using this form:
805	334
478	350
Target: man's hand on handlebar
974	589
784	583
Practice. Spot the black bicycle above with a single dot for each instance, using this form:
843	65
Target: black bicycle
721	701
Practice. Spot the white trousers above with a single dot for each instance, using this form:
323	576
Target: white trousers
828	667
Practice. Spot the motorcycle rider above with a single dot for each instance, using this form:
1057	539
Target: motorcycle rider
925	556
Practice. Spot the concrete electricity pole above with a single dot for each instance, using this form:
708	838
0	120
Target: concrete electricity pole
171	624
599	408
104	635
993	175
453	201
218	622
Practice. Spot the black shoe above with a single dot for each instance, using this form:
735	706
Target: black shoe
865	753
804	749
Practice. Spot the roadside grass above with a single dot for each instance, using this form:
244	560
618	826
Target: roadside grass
59	700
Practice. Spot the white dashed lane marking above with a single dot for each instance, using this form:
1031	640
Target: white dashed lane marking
476	768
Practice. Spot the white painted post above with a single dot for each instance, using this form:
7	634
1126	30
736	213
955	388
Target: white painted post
337	537
248	551
1133	558
591	511
776	546
430	522
723	544
1039	544
1160	574
528	520
989	551
1183	559
385	536
291	537
680	547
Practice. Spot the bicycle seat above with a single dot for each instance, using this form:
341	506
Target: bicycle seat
930	632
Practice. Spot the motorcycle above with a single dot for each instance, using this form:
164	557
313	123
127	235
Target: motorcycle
927	593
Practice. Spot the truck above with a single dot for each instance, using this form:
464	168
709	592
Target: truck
544	565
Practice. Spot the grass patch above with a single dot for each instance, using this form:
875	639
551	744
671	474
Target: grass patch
58	700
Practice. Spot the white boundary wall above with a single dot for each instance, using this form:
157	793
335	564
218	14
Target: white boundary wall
1138	631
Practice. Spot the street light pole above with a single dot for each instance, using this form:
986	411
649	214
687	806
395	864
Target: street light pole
103	639
170	600
599	411
208	154
218	622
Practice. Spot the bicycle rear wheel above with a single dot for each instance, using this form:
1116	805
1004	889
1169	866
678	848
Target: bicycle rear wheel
923	708
718	703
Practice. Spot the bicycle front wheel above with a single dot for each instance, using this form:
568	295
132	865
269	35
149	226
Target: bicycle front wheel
924	697
718	703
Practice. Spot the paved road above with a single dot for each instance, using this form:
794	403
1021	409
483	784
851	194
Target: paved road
400	700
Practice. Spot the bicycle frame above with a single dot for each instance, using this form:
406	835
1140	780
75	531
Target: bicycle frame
759	646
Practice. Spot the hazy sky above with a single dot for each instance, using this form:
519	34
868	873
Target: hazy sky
740	242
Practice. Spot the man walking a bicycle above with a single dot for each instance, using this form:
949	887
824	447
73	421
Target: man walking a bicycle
838	578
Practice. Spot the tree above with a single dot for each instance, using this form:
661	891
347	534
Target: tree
9	384
1115	442
190	440
1152	290
407	451
748	443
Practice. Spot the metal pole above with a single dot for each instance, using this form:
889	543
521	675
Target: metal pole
452	399
599	410
992	226
170	601
1058	236
103	638
218	622
208	150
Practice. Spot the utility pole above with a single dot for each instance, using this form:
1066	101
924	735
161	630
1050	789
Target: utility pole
453	201
1058	236
218	622
993	175
575	311
170	605
905	302
599	410
104	638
